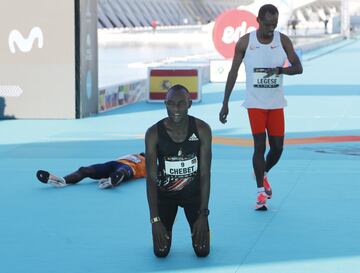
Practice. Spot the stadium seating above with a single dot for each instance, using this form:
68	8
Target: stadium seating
142	13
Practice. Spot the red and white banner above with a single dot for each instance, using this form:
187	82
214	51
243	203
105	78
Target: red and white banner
229	27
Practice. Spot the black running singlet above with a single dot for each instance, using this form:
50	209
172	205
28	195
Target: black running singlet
178	169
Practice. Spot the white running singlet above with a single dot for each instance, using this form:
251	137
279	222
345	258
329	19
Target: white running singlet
264	93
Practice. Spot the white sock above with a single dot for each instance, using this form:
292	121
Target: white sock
260	190
265	174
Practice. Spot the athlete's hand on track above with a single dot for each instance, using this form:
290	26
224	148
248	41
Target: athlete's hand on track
160	235
200	232
223	113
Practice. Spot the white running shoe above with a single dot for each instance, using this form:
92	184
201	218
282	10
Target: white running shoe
114	180
47	178
105	183
58	182
261	201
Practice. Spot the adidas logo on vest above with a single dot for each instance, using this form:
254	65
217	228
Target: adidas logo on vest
193	137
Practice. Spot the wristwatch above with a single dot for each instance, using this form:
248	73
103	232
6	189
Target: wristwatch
155	220
204	212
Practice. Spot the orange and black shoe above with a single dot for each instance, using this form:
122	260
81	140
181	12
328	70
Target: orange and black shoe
267	188
261	201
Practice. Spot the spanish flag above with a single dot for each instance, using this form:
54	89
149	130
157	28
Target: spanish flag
162	79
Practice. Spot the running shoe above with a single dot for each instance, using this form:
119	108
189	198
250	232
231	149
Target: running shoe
105	183
47	178
267	188
261	201
114	180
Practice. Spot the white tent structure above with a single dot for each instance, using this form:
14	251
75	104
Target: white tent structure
310	14
345	18
285	7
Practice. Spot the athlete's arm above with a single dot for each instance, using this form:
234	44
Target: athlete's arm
205	161
296	67
158	230
200	228
240	49
151	139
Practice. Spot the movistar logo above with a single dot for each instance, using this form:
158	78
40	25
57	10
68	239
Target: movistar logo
25	44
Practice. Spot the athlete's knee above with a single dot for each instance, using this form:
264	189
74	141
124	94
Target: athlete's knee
259	142
88	172
277	149
202	247
202	250
276	144
161	252
84	171
259	148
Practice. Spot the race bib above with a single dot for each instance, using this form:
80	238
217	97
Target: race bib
260	81
181	168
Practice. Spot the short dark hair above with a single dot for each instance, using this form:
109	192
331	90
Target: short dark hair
177	88
267	8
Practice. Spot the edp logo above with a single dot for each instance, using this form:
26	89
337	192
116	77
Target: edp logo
229	27
25	44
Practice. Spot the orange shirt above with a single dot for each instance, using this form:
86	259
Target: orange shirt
136	163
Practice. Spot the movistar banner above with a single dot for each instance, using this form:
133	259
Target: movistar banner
38	73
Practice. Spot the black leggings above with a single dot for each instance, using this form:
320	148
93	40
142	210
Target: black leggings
259	163
167	212
99	171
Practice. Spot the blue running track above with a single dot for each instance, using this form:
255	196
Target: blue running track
312	224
